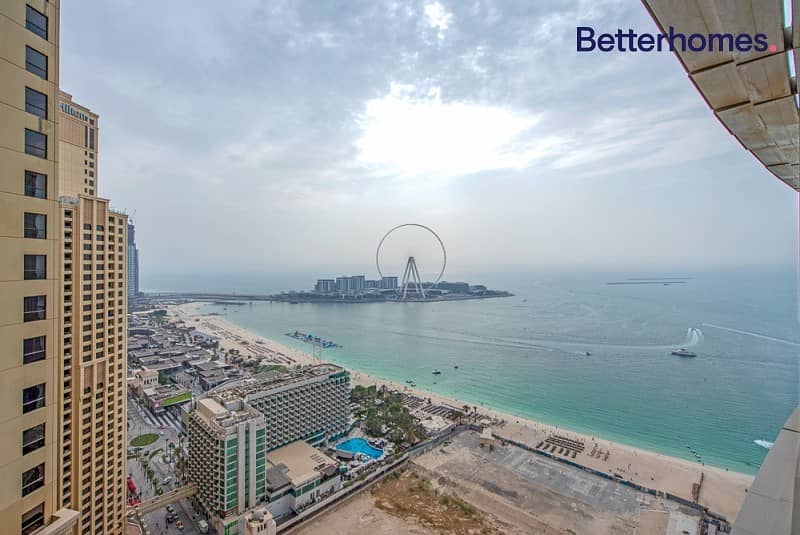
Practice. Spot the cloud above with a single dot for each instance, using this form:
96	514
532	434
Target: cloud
315	125
413	134
438	18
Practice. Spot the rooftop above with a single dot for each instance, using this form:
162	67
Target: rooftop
301	462
272	380
221	419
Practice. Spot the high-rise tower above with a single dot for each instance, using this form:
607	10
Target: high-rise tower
133	263
30	270
93	327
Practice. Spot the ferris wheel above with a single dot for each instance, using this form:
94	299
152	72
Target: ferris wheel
419	241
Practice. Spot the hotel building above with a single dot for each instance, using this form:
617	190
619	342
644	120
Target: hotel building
270	418
30	270
93	327
227	459
310	404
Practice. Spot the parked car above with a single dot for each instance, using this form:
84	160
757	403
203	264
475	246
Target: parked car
170	509
167	480
179	525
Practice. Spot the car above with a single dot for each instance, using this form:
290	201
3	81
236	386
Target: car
179	525
161	426
167	480
170	519
170	509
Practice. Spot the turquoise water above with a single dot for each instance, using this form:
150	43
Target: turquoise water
359	445
525	355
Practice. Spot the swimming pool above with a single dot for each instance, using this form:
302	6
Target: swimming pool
355	446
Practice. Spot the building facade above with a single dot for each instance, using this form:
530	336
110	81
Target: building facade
227	460
93	325
310	404
29	270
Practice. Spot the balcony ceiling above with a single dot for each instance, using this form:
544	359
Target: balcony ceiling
751	93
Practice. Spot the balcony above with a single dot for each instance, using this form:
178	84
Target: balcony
772	506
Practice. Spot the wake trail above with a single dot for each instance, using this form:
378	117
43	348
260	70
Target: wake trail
754	335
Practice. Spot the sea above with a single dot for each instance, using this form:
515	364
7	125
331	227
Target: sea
527	354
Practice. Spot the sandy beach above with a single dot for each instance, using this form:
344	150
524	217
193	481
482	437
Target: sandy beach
721	491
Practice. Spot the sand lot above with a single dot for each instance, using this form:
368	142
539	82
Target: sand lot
512	491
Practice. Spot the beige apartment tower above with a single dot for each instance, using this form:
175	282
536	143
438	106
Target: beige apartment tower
93	328
29	270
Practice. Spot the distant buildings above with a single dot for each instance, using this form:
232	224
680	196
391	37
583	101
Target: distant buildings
354	284
133	264
389	283
325	286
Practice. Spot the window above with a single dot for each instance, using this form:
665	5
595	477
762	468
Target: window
36	103
91	138
32	479
32	398
35	267
35	185
32	439
35	143
35	226
33	519
36	22
36	62
34	349
35	308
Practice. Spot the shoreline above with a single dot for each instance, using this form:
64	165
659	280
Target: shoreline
722	491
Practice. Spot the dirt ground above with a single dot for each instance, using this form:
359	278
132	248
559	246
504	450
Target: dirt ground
460	488
404	503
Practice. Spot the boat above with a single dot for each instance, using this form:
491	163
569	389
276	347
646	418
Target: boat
588	354
683	352
456	366
436	372
409	381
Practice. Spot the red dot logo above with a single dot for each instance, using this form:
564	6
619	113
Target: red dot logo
773	48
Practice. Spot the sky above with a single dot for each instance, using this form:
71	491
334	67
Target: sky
277	136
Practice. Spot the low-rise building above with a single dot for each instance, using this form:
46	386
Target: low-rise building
259	521
159	397
143	379
299	475
435	425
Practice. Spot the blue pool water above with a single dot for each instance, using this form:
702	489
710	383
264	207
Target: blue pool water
359	445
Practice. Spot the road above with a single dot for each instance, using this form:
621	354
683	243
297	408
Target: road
167	427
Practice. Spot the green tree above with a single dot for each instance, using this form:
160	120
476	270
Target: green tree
374	425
